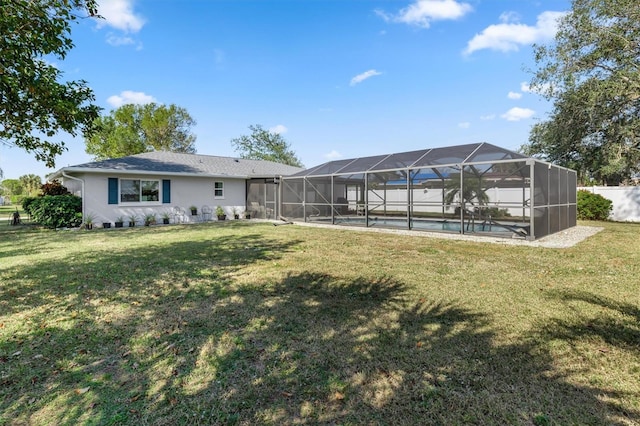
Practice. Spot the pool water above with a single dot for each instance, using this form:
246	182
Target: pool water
431	224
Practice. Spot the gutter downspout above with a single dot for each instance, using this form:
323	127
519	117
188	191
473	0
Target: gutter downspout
64	174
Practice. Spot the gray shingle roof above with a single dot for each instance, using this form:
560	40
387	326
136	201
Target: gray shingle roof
161	162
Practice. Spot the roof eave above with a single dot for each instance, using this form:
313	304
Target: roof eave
70	170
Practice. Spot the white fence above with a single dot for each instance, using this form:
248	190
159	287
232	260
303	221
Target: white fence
510	199
626	201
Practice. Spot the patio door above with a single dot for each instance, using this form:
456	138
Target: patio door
262	198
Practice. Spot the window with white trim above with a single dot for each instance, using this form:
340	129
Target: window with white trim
218	190
139	191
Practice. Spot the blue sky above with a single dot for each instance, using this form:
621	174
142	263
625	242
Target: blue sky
337	78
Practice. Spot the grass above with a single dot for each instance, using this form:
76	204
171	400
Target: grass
247	323
6	213
6	216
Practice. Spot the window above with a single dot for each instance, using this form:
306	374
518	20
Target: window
139	191
218	190
150	190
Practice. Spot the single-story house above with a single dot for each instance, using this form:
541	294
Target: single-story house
472	188
167	183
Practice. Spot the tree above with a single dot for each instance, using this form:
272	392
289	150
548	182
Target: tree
133	129
592	74
265	145
472	190
34	104
12	187
31	184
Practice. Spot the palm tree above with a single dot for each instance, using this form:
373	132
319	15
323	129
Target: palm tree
472	191
31	184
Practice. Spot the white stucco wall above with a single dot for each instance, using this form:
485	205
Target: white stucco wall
626	201
185	192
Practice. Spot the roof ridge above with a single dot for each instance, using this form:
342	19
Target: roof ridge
145	154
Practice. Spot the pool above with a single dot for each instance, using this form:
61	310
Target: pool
505	229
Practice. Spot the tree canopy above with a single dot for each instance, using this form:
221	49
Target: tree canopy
34	104
592	74
11	187
262	144
31	184
473	191
134	129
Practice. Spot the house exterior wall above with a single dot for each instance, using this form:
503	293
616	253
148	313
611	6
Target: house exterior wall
185	192
73	186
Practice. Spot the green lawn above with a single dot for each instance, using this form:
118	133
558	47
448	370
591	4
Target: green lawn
6	214
248	323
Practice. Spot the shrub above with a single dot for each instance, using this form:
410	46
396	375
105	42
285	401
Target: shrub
56	211
27	204
593	206
494	212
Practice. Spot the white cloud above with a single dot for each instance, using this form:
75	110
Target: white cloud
279	129
506	17
514	95
488	117
422	12
119	14
517	114
333	155
544	88
509	36
130	97
362	77
115	40
464	125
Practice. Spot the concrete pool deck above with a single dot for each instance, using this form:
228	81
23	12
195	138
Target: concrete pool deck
563	239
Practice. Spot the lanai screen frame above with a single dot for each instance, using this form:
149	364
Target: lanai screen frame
548	202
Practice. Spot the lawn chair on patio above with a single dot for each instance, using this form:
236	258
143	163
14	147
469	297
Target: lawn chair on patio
179	215
207	213
257	211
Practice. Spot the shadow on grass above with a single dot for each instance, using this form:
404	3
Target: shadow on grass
618	324
175	335
129	274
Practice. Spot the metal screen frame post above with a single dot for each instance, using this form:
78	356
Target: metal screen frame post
366	199
331	205
304	198
461	196
409	198
532	178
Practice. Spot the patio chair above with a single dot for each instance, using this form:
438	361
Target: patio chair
342	206
257	211
179	215
207	213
